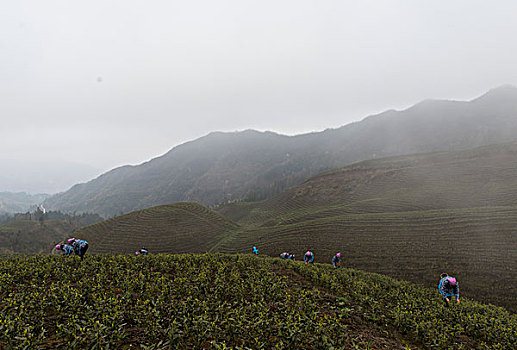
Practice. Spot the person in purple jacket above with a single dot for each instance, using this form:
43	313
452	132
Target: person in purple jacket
449	287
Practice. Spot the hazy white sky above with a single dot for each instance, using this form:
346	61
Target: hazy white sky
108	83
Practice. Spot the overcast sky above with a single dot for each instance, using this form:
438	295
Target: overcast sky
108	83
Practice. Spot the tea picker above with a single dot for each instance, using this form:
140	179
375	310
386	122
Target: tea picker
65	249
336	260
80	246
142	251
449	287
308	257
255	250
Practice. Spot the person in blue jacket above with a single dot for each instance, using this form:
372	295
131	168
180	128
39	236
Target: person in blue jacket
285	255
449	287
255	250
65	249
80	246
308	257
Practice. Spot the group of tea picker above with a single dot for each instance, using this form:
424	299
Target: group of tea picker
287	256
448	285
308	258
73	246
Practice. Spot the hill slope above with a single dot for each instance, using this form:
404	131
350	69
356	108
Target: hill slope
31	237
479	177
216	301
410	217
223	167
174	228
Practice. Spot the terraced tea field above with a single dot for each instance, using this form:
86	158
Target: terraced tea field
176	228
478	246
484	177
410	217
216	301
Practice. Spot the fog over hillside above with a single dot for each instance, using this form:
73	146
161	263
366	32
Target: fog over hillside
251	165
120	82
41	176
20	202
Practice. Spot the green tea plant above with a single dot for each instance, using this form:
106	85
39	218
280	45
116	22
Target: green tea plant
416	311
184	301
217	301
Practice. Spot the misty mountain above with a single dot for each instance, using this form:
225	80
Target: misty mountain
20	202
41	176
222	167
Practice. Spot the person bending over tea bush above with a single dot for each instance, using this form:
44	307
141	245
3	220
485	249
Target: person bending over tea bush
449	287
308	257
142	251
80	246
336	260
65	249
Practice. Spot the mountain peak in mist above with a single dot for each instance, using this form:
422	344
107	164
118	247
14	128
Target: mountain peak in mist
253	165
503	92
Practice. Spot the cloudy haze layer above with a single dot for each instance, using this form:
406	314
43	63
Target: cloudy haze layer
108	83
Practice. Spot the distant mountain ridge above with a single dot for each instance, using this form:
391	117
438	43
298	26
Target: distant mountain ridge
19	202
252	165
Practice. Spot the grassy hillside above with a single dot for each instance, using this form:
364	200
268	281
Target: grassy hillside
409	217
251	165
481	177
476	245
175	228
220	301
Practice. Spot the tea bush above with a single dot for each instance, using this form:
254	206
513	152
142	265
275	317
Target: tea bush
176	301
416	311
217	301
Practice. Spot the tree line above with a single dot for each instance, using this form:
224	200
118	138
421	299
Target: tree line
82	219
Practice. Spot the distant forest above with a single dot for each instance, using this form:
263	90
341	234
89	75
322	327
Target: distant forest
79	220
